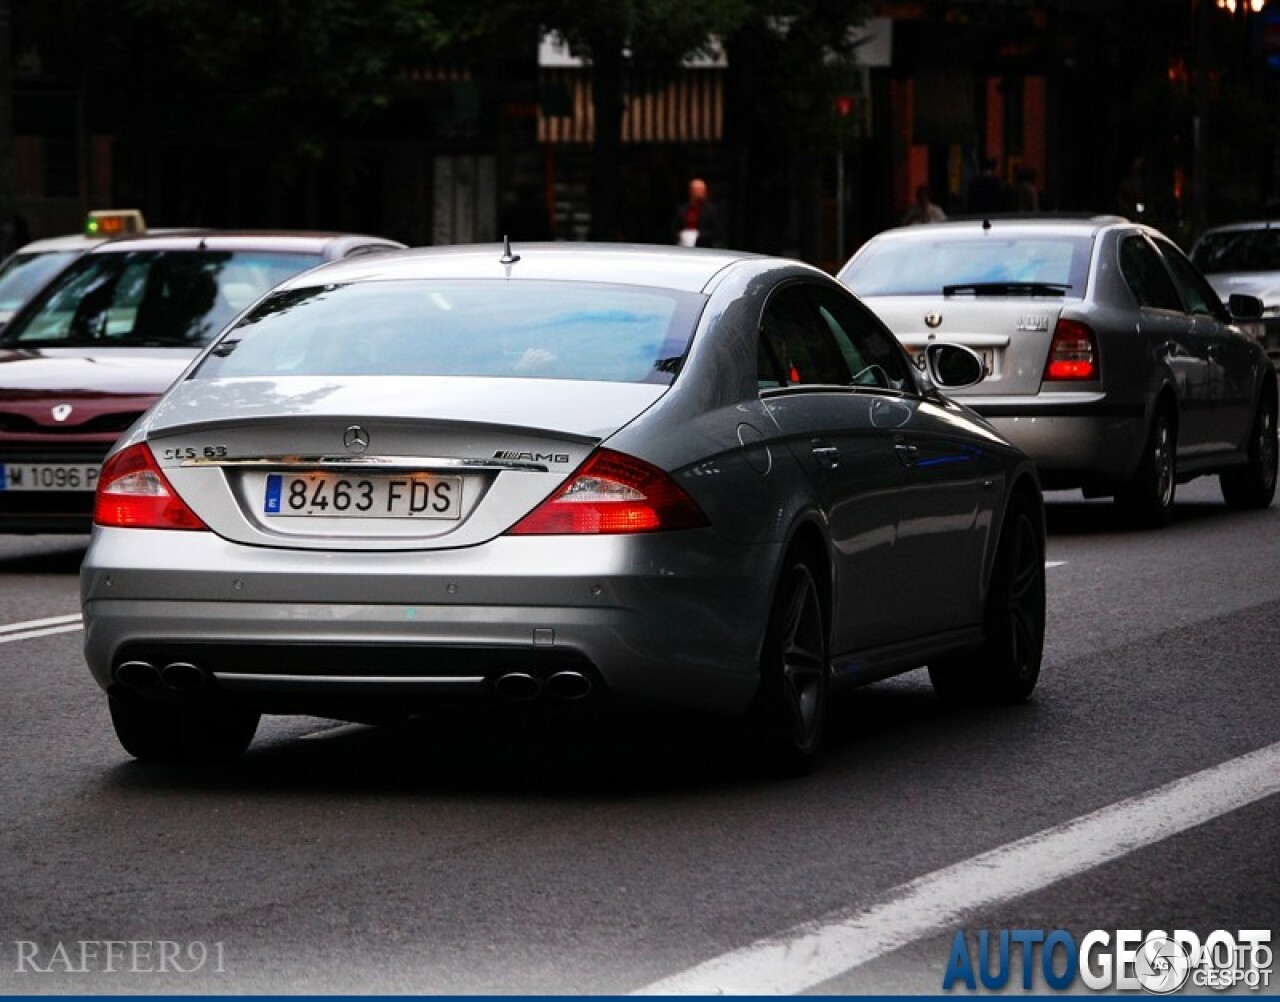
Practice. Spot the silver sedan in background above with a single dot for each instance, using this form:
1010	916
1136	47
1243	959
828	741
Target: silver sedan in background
698	478
1112	362
1245	258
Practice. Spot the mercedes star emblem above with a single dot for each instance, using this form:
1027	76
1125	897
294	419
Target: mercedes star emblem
932	319
356	439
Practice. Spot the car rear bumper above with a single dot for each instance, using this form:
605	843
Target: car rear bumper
675	617
1075	440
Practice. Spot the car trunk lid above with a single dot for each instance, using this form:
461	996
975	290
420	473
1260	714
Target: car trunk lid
378	463
1012	334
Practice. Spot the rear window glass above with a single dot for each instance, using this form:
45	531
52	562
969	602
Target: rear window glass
1241	250
925	267
151	297
546	330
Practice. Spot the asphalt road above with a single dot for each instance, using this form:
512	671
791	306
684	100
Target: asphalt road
470	853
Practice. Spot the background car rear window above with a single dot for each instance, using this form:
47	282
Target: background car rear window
922	267
1239	250
544	330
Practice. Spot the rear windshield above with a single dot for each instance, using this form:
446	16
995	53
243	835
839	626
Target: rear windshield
1241	250
545	330
987	264
160	297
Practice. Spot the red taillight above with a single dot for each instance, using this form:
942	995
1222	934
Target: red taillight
1073	353
610	494
133	493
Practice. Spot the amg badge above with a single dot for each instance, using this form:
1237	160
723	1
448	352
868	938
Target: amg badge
532	457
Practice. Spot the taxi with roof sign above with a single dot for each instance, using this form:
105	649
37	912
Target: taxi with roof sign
33	265
101	339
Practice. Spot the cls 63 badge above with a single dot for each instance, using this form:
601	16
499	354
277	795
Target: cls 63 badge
194	452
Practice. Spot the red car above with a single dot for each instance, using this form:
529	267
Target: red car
82	361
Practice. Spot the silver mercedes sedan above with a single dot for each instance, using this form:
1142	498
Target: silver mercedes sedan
696	478
1112	362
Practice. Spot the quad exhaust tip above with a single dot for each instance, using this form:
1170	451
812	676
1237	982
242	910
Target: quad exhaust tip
519	686
143	676
140	675
182	675
569	685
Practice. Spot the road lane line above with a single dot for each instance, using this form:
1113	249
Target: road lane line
33	628
814	952
1054	563
336	731
32	624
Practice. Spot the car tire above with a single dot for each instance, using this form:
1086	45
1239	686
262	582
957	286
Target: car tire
786	720
1005	669
1146	501
167	732
1254	484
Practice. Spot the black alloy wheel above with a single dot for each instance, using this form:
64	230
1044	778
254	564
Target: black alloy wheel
1007	666
1146	501
1254	484
789	714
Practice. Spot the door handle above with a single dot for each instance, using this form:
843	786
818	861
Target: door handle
907	452
827	455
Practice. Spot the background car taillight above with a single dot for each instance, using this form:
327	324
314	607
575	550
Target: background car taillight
609	494
1073	353
133	493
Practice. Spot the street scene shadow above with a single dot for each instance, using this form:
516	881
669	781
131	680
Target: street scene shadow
484	749
38	556
1072	515
507	751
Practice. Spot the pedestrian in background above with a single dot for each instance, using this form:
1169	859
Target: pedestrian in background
697	221
1026	196
923	210
986	191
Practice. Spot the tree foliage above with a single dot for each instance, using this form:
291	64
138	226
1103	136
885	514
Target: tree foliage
293	67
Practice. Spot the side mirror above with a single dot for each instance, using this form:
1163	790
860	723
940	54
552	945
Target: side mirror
953	366
1244	307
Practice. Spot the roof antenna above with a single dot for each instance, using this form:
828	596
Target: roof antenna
507	256
986	224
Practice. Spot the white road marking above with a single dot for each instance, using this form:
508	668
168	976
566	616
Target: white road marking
1054	563
335	732
33	628
814	952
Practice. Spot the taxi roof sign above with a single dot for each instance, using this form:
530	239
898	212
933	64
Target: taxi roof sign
114	223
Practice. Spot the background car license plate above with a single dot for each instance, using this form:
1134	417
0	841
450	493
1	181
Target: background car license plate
411	495
988	356
48	476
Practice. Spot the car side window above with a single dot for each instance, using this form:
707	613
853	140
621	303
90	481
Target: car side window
1197	293
1146	275
871	353
796	348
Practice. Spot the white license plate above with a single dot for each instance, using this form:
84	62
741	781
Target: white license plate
988	356
48	476
409	495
